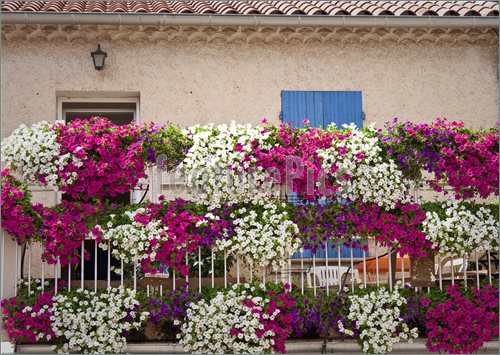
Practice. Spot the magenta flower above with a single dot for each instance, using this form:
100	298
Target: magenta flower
19	218
460	324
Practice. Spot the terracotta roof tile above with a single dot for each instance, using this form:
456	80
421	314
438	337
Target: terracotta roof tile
181	7
223	7
288	7
32	6
56	6
74	6
265	8
160	7
330	8
243	7
202	7
96	6
139	6
308	8
283	7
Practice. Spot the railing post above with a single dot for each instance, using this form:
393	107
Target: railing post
8	250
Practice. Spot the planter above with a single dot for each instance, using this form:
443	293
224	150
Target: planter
422	271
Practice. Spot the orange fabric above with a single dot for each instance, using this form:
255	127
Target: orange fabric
383	265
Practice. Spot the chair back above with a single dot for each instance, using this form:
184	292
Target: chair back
329	275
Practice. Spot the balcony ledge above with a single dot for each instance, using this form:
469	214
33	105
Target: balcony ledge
312	346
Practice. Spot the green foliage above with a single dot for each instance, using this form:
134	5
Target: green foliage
169	145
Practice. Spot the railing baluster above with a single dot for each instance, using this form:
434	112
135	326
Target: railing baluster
477	268
389	262
213	276
187	275
452	272
489	267
364	267
302	269
314	273
43	271
82	271
135	275
339	273
264	275
199	269
161	290
109	264
464	266
290	273
352	269
402	267
225	269
440	272
327	273
376	264
147	290
69	277
17	268
28	245
56	276
173	279
95	266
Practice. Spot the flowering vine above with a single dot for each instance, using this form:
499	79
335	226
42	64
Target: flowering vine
64	228
461	324
95	322
462	158
378	319
36	155
19	217
218	169
29	317
291	156
158	233
359	170
236	321
107	158
460	228
399	228
264	235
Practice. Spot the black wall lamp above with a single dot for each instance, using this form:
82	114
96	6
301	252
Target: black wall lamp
98	57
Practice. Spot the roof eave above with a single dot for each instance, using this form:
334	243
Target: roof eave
248	20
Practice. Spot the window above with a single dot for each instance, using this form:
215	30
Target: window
121	113
120	107
120	110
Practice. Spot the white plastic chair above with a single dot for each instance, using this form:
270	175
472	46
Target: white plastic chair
329	275
458	267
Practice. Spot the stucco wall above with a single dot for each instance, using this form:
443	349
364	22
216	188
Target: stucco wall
188	83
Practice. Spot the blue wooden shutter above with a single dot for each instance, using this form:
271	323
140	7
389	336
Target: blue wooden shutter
322	108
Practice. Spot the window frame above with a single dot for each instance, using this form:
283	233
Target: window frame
134	99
